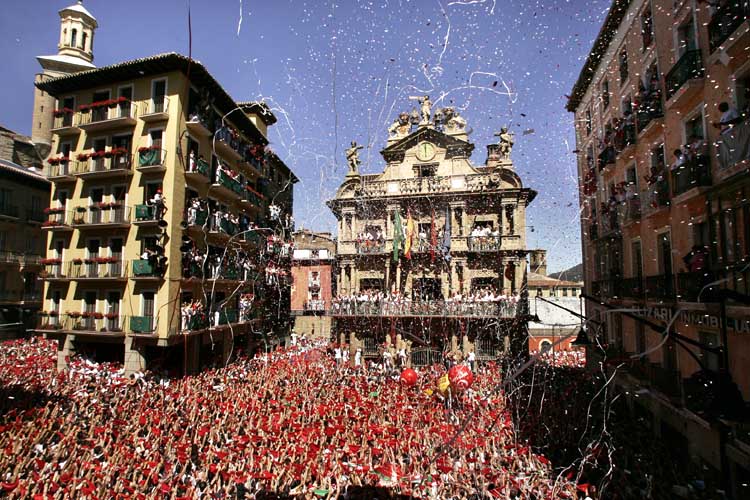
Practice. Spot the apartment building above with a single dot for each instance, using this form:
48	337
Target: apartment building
663	142
164	248
313	282
24	194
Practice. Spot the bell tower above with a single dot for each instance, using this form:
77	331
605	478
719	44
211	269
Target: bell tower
75	52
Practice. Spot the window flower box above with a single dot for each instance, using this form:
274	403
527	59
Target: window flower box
53	313
91	260
54	210
62	112
50	262
84	108
73	314
58	160
78	261
97	315
112	315
51	223
86	315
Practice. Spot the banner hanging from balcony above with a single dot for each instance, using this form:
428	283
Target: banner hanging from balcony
446	244
409	234
398	235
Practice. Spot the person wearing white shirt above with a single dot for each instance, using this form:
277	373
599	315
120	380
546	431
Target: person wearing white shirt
358	358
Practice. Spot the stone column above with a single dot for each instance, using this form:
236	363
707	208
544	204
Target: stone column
65	350
387	275
398	275
135	361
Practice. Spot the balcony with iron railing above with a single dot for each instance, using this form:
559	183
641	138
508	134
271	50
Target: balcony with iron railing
648	112
19	258
58	219
64	122
59	171
151	159
229	144
660	288
632	288
685	78
691	174
227	186
484	182
142	324
656	197
368	247
593	232
145	215
726	20
109	214
632	209
97	268
94	322
439	308
103	164
197	170
666	381
156	109
315	306
488	243
106	115
144	269
8	210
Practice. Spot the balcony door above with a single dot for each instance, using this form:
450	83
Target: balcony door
96	196
148	302
122	142
686	40
119	194
158	94
89	307
113	310
100	113
55	307
115	253
92	254
124	108
98	163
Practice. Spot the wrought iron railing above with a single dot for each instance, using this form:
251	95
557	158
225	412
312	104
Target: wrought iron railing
505	309
694	173
725	21
689	66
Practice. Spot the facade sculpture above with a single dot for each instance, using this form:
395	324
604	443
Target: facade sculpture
506	142
352	158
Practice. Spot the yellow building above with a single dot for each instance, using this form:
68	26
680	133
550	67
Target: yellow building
161	197
661	116
460	234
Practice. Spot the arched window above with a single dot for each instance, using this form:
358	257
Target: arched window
84	36
73	37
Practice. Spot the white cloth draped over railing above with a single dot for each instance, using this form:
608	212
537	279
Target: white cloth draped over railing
733	147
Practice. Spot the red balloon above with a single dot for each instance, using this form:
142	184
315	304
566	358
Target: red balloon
409	377
460	377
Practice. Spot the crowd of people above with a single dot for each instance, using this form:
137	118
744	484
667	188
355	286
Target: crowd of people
481	302
559	357
288	424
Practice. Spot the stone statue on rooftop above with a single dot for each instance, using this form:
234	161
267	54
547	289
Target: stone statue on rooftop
352	158
506	142
453	121
400	126
425	108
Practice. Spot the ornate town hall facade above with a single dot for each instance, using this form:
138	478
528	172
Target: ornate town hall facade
420	242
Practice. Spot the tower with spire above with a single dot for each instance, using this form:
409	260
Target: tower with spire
75	53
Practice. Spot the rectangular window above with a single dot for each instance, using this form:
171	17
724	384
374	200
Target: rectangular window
686	37
605	94
636	263
623	65
158	94
588	122
147	304
664	252
640	339
647	28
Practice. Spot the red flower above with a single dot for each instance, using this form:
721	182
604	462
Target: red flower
84	107
82	157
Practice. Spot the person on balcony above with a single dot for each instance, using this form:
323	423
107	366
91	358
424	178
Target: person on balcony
729	118
192	166
158	202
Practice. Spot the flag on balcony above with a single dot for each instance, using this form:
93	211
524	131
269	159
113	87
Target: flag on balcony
409	234
445	247
398	236
433	237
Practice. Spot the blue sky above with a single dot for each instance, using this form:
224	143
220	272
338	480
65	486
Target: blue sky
337	72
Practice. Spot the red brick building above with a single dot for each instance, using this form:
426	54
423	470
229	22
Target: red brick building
312	282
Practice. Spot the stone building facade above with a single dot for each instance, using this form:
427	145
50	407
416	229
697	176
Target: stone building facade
457	229
661	119
24	195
